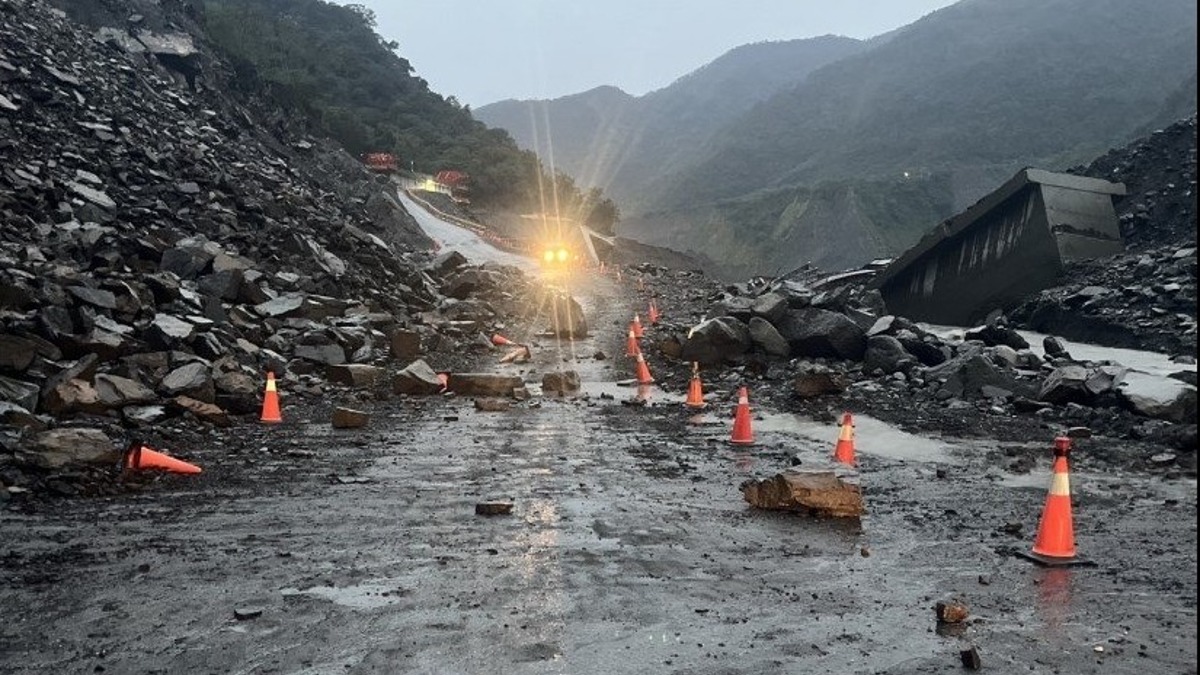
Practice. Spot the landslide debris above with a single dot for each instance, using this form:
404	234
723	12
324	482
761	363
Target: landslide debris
163	246
1145	298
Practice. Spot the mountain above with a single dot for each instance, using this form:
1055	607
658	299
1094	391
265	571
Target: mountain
865	145
607	138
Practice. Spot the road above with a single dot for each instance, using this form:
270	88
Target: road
305	550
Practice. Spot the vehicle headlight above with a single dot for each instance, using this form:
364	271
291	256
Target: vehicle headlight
563	255
548	256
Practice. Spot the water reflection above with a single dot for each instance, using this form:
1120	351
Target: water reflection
1053	595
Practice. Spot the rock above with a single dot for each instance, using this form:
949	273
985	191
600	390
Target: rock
15	416
193	380
992	335
493	508
19	393
16	353
821	333
357	375
950	611
484	384
965	376
59	448
418	379
764	336
70	397
1066	385
970	659
824	493
206	412
348	418
405	344
1054	348
492	404
715	341
284	305
885	353
562	382
814	380
247	613
1159	397
330	355
95	297
167	332
770	306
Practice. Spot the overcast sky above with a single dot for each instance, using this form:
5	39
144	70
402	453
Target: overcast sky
483	51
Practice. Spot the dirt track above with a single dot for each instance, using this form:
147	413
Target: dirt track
630	549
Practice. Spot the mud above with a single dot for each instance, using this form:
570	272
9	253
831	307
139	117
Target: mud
302	549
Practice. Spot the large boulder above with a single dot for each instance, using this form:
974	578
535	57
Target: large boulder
887	354
566	316
820	332
417	379
766	337
716	340
833	493
966	375
1159	397
59	448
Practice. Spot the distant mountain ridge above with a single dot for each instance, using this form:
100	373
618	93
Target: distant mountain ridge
607	138
907	128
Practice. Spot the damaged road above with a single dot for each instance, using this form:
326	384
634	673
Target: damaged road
629	548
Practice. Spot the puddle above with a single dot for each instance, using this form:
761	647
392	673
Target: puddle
871	437
626	390
362	596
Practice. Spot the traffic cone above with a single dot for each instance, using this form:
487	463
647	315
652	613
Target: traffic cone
844	450
653	314
501	341
741	420
1055	543
643	371
695	395
631	344
140	456
444	379
636	326
270	406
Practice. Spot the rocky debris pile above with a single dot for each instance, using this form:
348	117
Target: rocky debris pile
159	253
839	347
1145	299
1141	300
1159	173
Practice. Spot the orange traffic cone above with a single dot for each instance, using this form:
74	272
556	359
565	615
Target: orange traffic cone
844	450
643	371
741	420
444	379
631	344
140	456
653	314
1055	543
695	395
501	341
270	406
636	327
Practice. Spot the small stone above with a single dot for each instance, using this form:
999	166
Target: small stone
492	404
970	659
864	552
950	612
493	508
247	613
348	418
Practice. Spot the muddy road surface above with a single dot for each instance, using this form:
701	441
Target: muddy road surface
629	549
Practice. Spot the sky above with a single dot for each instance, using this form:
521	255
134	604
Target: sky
483	51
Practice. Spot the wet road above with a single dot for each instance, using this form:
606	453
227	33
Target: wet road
629	549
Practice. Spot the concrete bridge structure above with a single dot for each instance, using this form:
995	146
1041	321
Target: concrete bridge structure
1009	244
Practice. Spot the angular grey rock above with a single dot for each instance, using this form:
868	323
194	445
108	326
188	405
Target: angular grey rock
18	392
330	355
357	375
886	353
282	306
767	338
562	382
770	306
193	380
484	384
349	418
58	448
965	375
1159	397
405	344
819	332
417	379
168	331
1066	385
716	340
16	353
94	296
814	380
118	392
566	316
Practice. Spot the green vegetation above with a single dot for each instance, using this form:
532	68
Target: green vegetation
327	62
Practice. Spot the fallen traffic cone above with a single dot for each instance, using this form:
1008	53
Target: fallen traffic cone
270	406
501	341
636	327
643	371
444	379
1055	543
741	420
140	456
844	450
631	343
695	395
